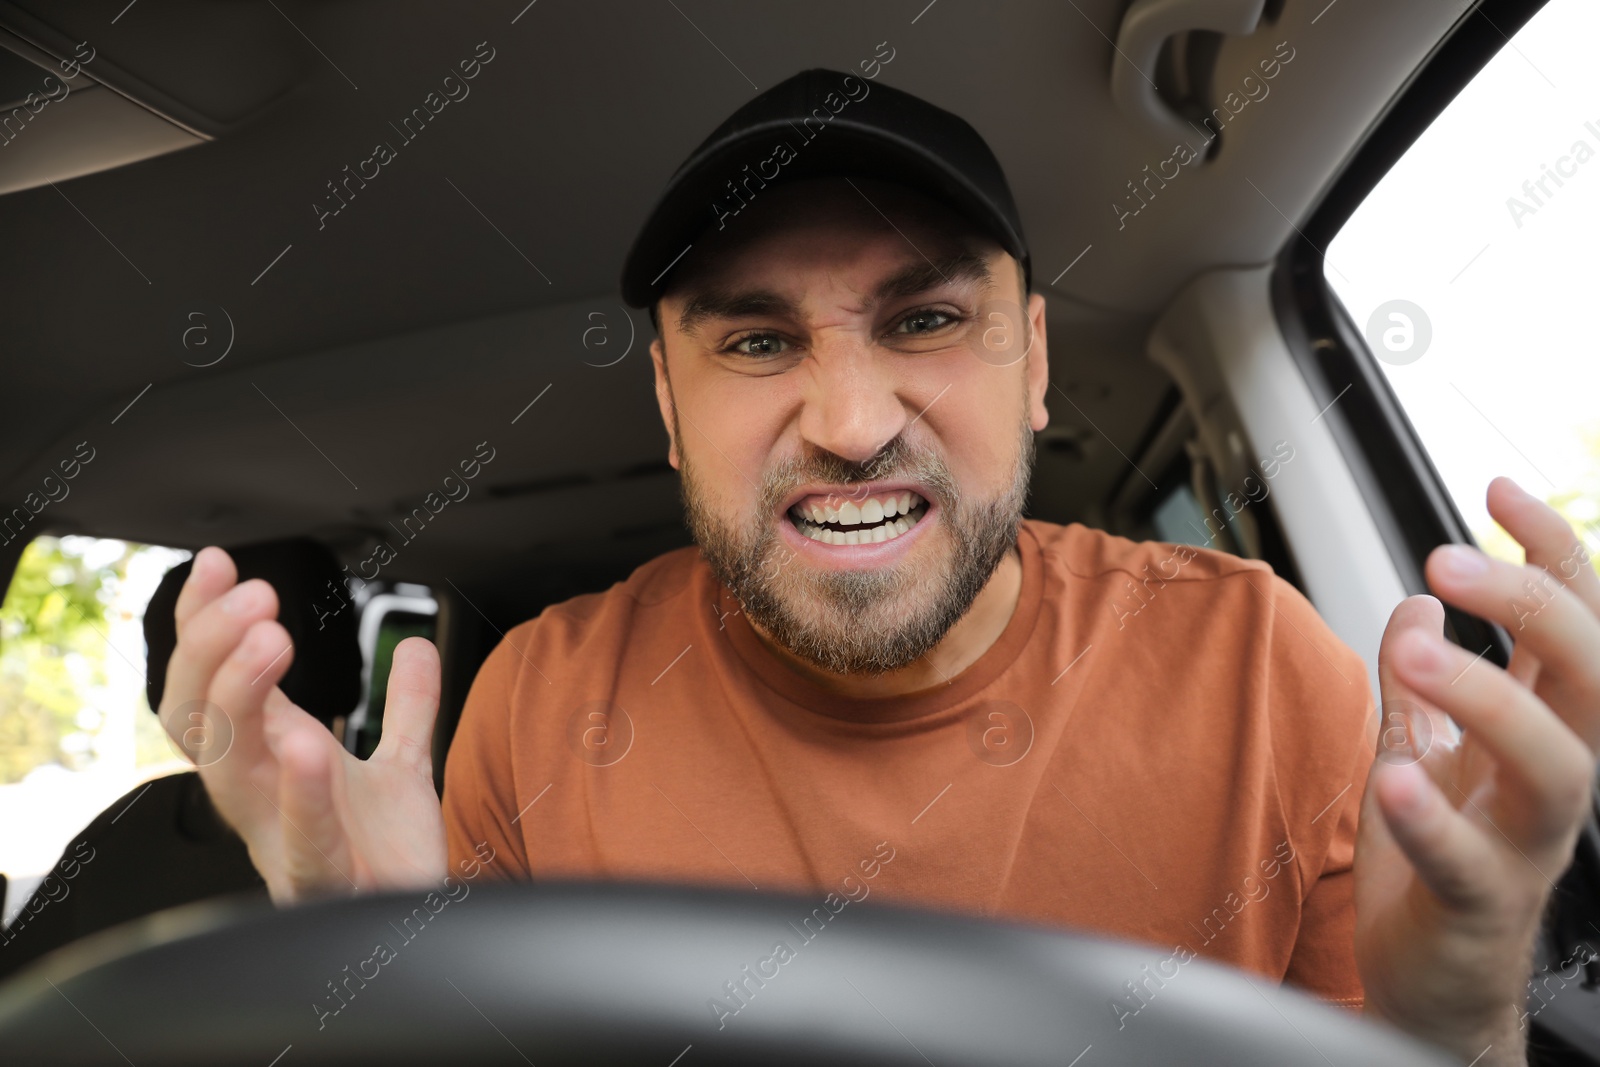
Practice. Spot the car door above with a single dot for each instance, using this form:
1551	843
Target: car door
1439	300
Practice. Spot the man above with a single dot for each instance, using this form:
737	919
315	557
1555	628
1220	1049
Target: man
875	677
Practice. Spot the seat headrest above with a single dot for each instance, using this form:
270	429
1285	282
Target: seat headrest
325	676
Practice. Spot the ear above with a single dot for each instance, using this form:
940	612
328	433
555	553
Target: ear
658	359
1038	369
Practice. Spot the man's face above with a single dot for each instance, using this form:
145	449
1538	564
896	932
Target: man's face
851	384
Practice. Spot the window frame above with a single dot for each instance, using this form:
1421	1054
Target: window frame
1408	499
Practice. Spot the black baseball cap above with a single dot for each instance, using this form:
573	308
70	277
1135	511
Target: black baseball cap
822	123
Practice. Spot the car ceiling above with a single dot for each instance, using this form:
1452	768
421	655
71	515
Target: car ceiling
478	272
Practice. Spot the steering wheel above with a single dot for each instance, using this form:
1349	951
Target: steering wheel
554	973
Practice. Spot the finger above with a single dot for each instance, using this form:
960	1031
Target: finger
279	714
238	694
210	575
1413	613
1524	666
316	852
1542	768
411	706
210	635
1556	626
1546	538
1451	856
1409	725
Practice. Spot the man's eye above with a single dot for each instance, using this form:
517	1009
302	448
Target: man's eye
923	322
760	344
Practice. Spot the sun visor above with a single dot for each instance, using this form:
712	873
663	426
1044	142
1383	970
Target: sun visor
79	94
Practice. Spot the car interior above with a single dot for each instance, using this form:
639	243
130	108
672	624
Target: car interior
263	344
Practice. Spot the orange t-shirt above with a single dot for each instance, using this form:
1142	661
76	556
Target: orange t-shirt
1165	744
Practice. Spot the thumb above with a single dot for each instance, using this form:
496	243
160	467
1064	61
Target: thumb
411	707
1410	727
1405	723
1420	612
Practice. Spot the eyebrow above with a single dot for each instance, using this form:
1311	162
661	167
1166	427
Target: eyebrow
722	304
909	281
920	277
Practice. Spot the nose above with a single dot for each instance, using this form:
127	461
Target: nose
852	406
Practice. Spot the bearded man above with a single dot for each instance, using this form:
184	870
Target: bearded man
875	676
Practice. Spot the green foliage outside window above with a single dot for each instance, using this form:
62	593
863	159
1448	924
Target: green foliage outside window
53	651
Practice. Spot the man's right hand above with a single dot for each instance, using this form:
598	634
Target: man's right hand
317	820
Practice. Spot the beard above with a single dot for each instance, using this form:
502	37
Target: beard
862	621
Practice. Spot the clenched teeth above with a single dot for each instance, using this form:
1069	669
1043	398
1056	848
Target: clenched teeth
869	522
869	512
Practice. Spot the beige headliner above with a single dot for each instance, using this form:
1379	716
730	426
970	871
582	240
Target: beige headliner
460	283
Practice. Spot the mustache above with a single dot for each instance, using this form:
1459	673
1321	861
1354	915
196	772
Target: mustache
898	460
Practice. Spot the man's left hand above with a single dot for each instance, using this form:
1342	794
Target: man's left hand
1461	843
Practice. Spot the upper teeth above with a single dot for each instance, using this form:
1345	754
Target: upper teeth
869	512
874	518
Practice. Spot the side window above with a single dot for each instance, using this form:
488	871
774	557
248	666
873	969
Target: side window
1472	270
76	731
